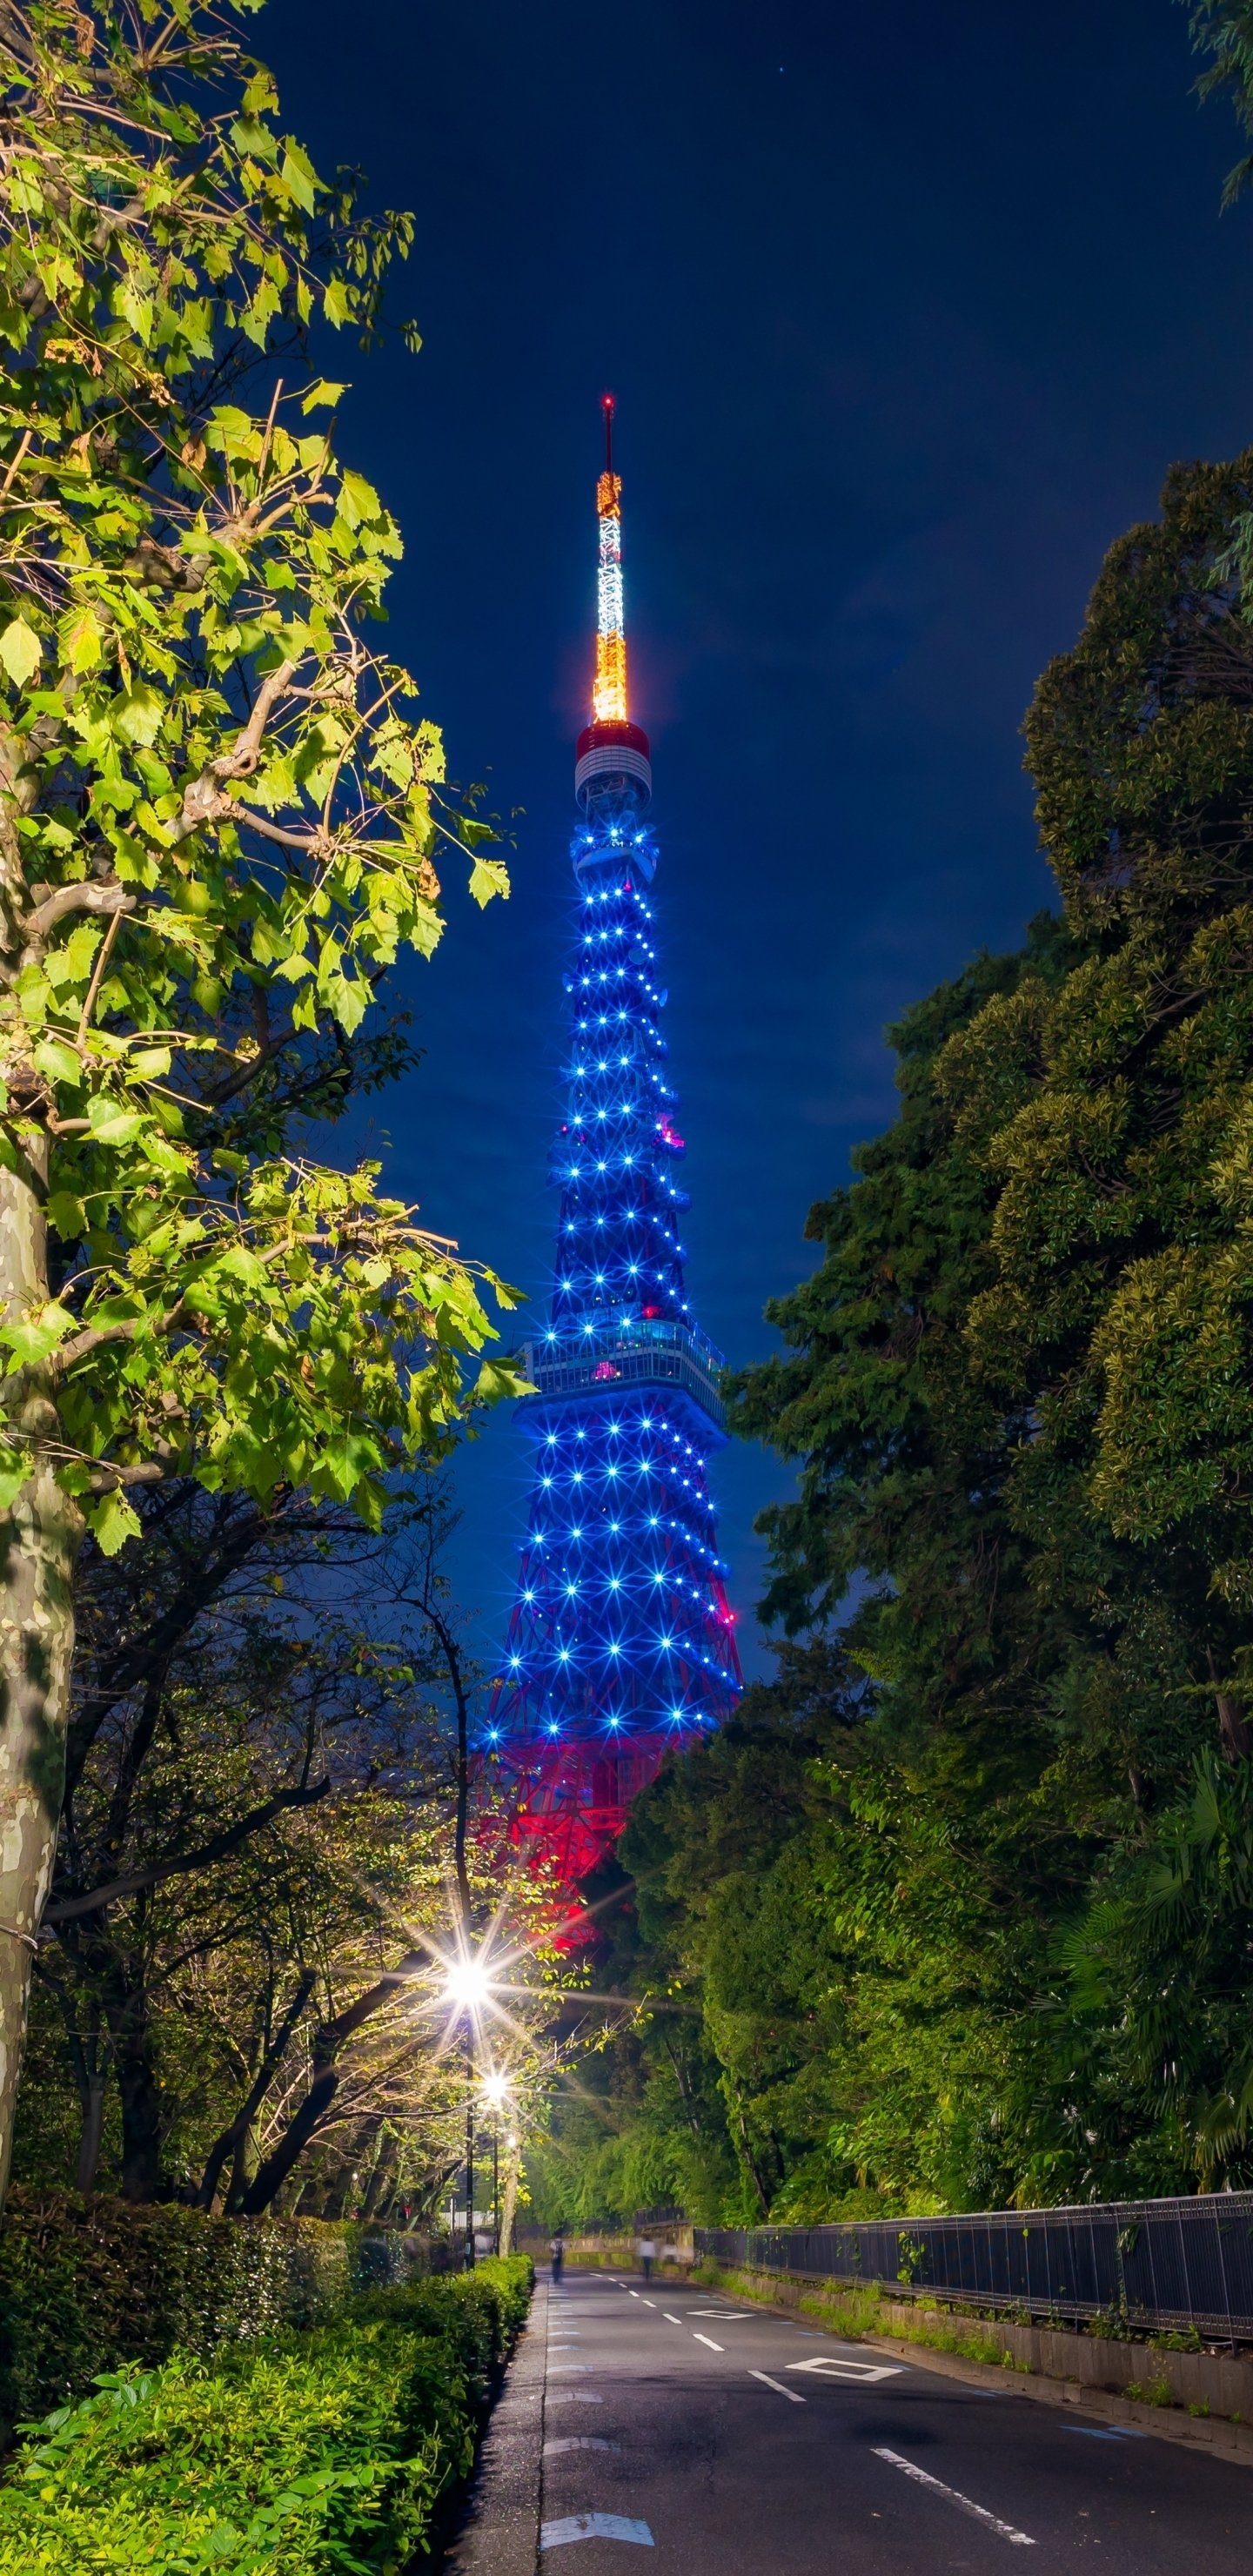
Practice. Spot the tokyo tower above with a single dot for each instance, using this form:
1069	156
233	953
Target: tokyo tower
620	1642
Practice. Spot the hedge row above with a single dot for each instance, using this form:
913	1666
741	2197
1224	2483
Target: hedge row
322	2453
89	2285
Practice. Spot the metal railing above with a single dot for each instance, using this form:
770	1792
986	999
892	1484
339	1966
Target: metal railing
1153	2263
636	1354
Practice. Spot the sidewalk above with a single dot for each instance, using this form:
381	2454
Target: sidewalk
499	2533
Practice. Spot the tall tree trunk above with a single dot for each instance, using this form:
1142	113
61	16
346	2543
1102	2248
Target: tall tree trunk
232	2139
130	2030
38	1543
382	2182
90	2063
509	2205
91	2133
1233	1726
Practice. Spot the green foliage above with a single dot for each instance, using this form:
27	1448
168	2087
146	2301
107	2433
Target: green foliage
1223	29
219	806
304	2454
91	2284
960	1908
298	2456
478	2313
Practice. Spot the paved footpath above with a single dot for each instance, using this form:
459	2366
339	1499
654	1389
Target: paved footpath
734	2443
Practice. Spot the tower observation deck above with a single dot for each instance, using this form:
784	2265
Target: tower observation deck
620	1642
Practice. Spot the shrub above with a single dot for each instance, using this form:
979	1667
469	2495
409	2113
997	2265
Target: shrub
320	2453
87	2285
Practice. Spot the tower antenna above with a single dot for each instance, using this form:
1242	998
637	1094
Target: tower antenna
608	406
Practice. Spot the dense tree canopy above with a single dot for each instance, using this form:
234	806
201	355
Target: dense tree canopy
961	1909
220	815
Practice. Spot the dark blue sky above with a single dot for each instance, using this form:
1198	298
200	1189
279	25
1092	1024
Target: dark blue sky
907	312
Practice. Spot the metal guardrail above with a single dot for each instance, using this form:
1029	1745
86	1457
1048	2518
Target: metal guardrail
1165	2264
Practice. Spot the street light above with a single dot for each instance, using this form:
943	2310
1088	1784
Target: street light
468	1987
496	2091
467	1983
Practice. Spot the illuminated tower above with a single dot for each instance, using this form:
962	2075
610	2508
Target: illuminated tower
620	1642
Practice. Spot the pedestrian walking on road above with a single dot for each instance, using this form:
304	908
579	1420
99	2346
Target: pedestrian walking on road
646	2249
559	2256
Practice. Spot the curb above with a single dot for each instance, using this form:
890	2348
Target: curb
1211	2433
1194	2432
499	2531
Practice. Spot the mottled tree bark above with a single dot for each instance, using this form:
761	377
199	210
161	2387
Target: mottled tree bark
509	2204
38	1543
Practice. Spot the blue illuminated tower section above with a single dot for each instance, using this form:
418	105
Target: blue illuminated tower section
621	1642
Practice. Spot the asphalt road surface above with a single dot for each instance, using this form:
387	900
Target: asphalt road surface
733	2443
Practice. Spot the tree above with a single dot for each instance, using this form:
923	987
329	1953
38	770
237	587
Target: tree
258	1888
222	1683
219	812
989	1943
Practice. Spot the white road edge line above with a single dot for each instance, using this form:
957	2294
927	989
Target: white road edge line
777	2384
1020	2539
714	2347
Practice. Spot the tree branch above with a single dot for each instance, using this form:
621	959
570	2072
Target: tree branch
86	897
220	1847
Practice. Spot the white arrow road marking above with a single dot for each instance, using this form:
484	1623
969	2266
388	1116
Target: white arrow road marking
594	2526
1020	2539
714	2347
574	2397
579	2442
829	2365
778	2386
726	2314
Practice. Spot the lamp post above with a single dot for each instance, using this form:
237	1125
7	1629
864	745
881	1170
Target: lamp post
496	2091
467	1986
469	2263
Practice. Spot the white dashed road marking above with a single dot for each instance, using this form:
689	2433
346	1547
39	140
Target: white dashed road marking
778	2386
1020	2539
714	2347
594	2526
671	2321
648	2303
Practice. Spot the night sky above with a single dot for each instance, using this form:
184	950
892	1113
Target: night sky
907	311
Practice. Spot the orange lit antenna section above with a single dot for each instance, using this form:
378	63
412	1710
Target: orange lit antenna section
609	695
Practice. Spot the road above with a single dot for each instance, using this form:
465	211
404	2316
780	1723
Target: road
734	2443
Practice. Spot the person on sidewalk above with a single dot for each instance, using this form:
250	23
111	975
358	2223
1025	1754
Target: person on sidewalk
559	2256
645	2248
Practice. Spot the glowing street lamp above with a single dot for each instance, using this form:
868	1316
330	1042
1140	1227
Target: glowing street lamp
467	1984
468	1988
